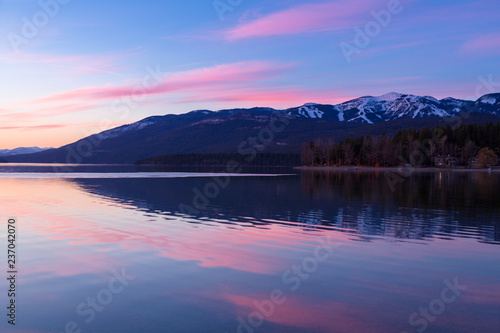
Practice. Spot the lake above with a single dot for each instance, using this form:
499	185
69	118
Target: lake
100	249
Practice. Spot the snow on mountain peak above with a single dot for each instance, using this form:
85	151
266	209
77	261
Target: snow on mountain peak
22	150
114	132
489	99
448	99
430	98
202	111
366	109
310	111
390	97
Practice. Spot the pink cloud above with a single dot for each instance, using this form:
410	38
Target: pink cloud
278	98
44	112
242	82
218	78
62	109
489	44
38	127
75	64
329	16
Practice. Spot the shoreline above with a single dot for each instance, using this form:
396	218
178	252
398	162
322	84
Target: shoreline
393	169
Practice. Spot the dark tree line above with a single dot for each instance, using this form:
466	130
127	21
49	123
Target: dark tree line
408	146
220	159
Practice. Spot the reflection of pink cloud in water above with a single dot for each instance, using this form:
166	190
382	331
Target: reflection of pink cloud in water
298	311
71	223
77	218
80	263
66	213
262	251
487	293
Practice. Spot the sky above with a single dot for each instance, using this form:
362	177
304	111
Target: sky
71	68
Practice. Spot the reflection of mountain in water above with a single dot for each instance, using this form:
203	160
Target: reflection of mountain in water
422	206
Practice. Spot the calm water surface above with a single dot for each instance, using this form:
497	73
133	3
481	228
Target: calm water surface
310	252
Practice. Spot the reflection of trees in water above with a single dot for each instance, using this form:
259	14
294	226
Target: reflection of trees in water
430	190
425	204
310	219
491	234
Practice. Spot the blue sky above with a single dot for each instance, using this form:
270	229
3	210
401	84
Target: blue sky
86	66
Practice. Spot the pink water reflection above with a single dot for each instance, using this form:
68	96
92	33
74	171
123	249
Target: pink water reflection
68	232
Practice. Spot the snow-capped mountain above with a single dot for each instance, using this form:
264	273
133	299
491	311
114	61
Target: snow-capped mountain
114	132
393	106
205	131
314	111
491	99
367	109
309	110
21	150
488	104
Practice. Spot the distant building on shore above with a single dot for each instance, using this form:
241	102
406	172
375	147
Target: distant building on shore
474	163
446	161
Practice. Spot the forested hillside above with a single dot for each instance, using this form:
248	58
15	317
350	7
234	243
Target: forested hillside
407	146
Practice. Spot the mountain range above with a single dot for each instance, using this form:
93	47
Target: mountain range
21	150
205	131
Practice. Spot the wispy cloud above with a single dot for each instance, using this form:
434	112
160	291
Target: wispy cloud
247	83
483	45
74	64
215	79
260	96
328	16
29	128
45	112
